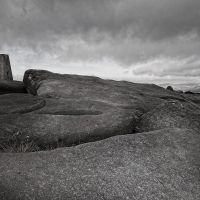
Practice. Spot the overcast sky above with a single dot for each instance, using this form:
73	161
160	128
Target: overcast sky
138	40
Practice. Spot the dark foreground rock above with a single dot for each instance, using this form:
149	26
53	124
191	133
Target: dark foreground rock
171	114
11	87
48	121
156	165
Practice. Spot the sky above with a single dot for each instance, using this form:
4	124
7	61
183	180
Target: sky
151	41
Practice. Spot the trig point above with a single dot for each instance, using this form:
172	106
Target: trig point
5	68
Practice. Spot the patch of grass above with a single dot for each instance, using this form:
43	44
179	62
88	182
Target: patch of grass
17	143
15	147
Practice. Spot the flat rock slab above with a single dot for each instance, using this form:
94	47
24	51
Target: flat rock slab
11	87
49	121
171	114
157	165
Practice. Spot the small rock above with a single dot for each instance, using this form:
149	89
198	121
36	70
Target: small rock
170	88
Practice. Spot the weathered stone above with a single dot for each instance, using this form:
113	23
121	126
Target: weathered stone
118	93
47	121
193	97
81	109
170	88
156	165
11	87
19	103
5	68
171	114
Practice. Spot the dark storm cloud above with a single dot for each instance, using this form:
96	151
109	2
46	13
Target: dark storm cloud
132	33
147	19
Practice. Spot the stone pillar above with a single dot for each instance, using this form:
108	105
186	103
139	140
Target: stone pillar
5	68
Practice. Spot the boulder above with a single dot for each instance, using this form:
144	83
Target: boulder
11	87
118	93
171	114
156	165
170	88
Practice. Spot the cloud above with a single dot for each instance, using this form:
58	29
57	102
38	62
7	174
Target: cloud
147	38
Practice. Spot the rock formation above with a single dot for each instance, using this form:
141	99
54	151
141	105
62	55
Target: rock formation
79	109
170	115
5	68
11	87
120	140
156	165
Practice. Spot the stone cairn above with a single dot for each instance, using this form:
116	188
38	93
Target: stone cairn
5	68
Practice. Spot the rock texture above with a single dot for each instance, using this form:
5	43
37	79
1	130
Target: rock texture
161	163
171	114
170	88
5	68
19	103
11	87
156	165
77	109
48	84
47	121
193	97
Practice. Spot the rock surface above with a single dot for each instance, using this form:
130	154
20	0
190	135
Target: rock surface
170	88
193	97
118	93
72	122
19	103
156	165
78	109
171	114
11	87
162	164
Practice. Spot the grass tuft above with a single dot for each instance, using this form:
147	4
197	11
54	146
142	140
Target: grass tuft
15	147
18	143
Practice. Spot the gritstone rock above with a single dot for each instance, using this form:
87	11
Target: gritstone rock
157	165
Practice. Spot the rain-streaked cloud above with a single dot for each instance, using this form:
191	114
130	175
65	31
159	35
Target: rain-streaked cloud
137	40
